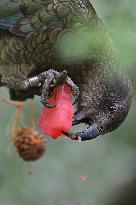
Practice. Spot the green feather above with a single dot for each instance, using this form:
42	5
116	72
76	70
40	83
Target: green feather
9	8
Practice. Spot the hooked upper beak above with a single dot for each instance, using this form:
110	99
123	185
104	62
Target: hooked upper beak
90	133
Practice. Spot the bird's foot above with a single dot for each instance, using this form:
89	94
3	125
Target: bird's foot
74	89
52	81
47	81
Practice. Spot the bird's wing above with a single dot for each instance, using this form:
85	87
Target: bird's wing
23	16
18	17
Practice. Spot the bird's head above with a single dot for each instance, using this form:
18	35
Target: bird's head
109	108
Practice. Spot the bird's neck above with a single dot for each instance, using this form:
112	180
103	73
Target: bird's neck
95	78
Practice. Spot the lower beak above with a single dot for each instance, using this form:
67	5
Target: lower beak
88	134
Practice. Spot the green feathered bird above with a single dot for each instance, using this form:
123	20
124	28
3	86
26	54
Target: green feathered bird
43	41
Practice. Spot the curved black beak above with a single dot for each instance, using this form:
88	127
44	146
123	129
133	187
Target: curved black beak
90	133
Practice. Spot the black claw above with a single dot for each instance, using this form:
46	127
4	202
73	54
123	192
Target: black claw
50	106
76	95
75	101
46	104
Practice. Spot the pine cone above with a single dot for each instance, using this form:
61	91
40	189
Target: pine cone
29	145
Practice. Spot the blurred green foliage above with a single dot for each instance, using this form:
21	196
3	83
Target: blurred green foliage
108	160
80	45
119	17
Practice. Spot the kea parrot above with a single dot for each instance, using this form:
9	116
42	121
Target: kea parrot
39	45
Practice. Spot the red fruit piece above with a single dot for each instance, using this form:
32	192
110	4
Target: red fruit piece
53	121
84	178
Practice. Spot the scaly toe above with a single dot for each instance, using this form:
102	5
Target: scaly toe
48	105
76	93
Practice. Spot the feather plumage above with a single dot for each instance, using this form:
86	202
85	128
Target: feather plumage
32	33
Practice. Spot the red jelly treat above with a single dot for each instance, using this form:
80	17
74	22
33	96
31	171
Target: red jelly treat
53	121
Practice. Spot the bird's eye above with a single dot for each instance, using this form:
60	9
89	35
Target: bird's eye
112	109
101	127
